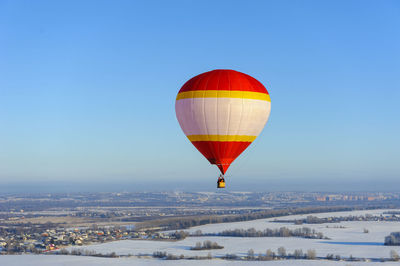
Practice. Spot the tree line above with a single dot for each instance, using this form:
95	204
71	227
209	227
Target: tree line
303	232
316	220
175	223
206	245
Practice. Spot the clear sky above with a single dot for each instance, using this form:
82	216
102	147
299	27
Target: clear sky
87	90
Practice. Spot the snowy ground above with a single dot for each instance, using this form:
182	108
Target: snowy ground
51	260
347	241
267	223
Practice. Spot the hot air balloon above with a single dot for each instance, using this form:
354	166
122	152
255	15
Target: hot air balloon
222	112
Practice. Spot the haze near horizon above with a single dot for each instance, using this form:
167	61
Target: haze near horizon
87	92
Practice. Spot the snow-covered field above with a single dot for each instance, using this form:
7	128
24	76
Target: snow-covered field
347	241
267	223
51	260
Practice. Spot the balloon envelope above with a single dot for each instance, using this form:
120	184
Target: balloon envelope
222	112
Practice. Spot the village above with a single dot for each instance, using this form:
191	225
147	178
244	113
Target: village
36	241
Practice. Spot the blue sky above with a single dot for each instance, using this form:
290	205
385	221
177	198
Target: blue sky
87	89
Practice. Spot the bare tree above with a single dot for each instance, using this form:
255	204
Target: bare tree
298	254
198	233
330	256
311	254
250	254
64	251
282	252
394	255
269	254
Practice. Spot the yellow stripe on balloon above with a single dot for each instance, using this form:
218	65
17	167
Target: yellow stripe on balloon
242	138
223	94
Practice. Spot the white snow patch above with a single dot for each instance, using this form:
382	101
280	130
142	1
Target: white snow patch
51	260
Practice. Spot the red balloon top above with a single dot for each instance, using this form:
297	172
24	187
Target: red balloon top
223	79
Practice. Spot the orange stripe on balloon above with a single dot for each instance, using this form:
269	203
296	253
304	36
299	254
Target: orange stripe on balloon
224	94
241	138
